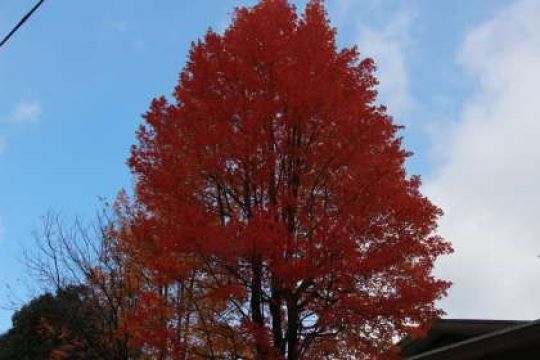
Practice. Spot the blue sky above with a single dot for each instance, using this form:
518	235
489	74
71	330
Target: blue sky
75	79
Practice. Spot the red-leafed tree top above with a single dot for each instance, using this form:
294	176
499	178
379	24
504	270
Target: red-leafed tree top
273	192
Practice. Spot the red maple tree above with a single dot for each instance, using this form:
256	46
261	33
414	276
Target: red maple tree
273	214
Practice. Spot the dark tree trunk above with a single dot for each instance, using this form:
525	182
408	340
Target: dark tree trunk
256	303
275	312
293	324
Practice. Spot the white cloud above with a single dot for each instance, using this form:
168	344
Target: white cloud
342	7
388	47
489	185
117	25
26	111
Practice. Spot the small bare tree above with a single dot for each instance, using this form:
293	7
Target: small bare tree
84	254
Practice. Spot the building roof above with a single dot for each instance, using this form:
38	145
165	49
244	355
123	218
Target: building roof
476	339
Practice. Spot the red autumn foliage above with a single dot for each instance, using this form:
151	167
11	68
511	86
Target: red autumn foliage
273	215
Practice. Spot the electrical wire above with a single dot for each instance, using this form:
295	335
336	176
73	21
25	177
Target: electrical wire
21	22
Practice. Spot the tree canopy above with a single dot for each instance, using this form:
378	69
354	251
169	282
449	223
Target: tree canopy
273	217
58	326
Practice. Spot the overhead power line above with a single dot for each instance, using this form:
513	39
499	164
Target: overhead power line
21	22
